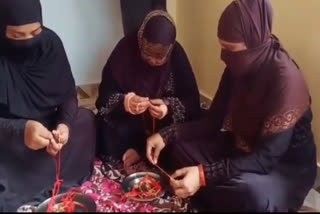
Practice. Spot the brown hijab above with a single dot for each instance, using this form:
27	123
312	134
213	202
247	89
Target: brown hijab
128	68
269	94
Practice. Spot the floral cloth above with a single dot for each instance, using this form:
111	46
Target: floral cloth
105	189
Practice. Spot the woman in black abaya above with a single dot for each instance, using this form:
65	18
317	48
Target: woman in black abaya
39	115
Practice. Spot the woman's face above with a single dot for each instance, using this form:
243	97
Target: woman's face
23	32
233	47
155	54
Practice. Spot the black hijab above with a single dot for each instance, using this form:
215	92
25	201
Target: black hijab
36	77
128	68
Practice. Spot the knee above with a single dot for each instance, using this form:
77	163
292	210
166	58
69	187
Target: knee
253	197
241	194
84	124
86	114
178	156
85	117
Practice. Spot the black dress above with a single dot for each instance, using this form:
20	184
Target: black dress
275	177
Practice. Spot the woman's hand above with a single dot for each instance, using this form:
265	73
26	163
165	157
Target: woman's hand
155	145
135	104
62	133
158	109
187	182
60	138
36	136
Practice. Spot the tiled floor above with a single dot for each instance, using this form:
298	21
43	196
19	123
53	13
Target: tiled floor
87	96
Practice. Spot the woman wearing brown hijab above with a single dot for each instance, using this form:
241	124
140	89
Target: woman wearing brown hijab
147	84
255	149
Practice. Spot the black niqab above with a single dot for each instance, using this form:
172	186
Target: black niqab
36	80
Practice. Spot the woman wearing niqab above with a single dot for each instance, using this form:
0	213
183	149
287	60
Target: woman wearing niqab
39	114
254	151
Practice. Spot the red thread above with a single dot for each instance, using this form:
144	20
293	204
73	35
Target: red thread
67	201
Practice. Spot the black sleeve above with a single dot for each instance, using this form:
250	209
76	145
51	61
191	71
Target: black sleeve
185	103
111	98
261	161
11	127
205	127
68	111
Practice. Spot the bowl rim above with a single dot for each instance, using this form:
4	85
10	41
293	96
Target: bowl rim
152	174
78	194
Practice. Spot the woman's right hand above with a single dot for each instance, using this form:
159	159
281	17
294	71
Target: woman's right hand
36	136
155	145
135	104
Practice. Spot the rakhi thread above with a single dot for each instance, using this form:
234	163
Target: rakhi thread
67	201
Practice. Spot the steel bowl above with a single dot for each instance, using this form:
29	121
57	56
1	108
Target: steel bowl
83	203
135	178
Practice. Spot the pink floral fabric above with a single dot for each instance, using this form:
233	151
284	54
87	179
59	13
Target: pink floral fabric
105	188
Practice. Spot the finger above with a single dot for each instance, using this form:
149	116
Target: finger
132	109
144	104
156	115
55	145
131	94
141	110
149	154
182	193
58	137
137	99
64	139
180	173
51	151
175	184
154	112
144	109
157	102
42	141
134	106
45	133
61	132
55	133
157	109
151	108
156	155
142	99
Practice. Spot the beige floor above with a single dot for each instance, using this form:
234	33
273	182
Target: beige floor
87	95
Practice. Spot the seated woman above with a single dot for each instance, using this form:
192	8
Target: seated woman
255	149
39	116
147	84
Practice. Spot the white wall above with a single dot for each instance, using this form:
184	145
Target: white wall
89	30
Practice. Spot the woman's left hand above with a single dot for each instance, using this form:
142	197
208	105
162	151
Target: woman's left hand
187	182
158	109
63	133
60	138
